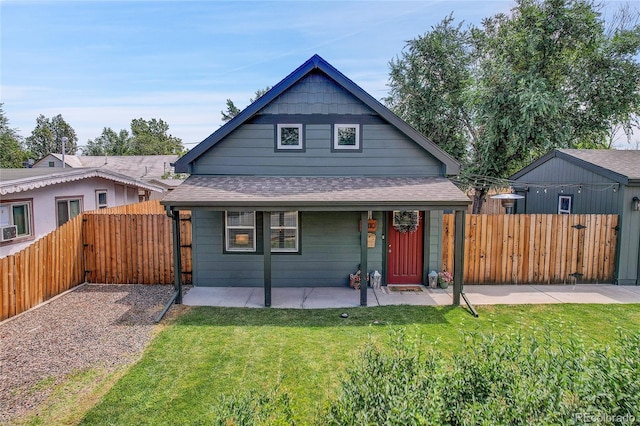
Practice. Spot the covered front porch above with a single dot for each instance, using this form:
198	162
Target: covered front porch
348	202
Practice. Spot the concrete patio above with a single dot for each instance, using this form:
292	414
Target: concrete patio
345	297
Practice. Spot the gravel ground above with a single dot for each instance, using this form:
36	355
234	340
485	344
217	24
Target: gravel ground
94	326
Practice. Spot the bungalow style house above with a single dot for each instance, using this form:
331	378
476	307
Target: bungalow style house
34	202
312	182
589	181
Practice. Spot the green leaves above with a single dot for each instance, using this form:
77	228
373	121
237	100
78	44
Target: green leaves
46	137
546	75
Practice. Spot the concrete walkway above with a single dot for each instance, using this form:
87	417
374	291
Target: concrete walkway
344	297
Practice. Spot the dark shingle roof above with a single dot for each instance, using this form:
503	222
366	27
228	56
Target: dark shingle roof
622	162
622	166
316	193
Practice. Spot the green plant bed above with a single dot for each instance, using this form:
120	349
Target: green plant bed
286	366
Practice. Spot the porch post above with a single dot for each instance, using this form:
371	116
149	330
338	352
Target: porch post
364	233
177	256
458	256
266	250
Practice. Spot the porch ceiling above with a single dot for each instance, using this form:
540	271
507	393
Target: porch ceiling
317	193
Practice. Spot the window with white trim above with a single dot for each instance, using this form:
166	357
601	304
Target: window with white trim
17	214
67	209
240	231
564	204
284	232
101	199
289	136
346	136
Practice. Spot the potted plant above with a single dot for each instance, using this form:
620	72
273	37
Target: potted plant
444	279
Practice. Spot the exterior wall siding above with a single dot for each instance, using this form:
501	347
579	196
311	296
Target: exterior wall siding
316	94
250	150
628	262
330	251
597	199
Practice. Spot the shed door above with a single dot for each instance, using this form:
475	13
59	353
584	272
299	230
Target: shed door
404	249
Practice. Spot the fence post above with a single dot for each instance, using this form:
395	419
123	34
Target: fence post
177	258
458	261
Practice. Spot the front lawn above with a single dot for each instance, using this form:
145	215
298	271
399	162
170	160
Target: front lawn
208	355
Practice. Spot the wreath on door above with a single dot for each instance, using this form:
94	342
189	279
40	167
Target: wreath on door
406	220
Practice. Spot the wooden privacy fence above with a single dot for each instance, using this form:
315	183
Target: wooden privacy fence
123	245
536	248
134	248
46	268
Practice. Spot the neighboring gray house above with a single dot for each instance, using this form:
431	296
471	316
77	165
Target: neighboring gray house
156	170
587	181
278	193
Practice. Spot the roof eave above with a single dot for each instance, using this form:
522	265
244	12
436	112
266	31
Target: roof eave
452	166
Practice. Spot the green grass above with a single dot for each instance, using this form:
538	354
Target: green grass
210	352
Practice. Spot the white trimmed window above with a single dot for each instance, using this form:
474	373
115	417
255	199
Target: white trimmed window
101	199
240	231
67	209
15	220
346	136
564	204
289	136
284	232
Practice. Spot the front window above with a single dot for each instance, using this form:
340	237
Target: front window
240	230
15	220
284	231
67	209
289	136
346	136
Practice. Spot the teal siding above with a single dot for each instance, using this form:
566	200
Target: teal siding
330	250
628	264
594	199
316	94
250	151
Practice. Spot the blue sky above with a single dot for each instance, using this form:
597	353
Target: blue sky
102	64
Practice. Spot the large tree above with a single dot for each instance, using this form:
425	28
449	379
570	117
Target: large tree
109	143
233	110
46	137
12	153
150	137
549	74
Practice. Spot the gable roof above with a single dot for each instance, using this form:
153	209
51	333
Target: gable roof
317	63
20	180
136	166
622	166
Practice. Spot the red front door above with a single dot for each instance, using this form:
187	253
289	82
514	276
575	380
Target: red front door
404	254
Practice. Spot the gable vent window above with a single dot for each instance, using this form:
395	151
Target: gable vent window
346	137
289	137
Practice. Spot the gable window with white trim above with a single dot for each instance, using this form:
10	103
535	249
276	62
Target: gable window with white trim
565	204
284	232
346	137
240	231
289	137
15	220
67	209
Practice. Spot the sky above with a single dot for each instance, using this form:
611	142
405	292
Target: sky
103	63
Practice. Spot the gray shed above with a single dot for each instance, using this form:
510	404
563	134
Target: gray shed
585	181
